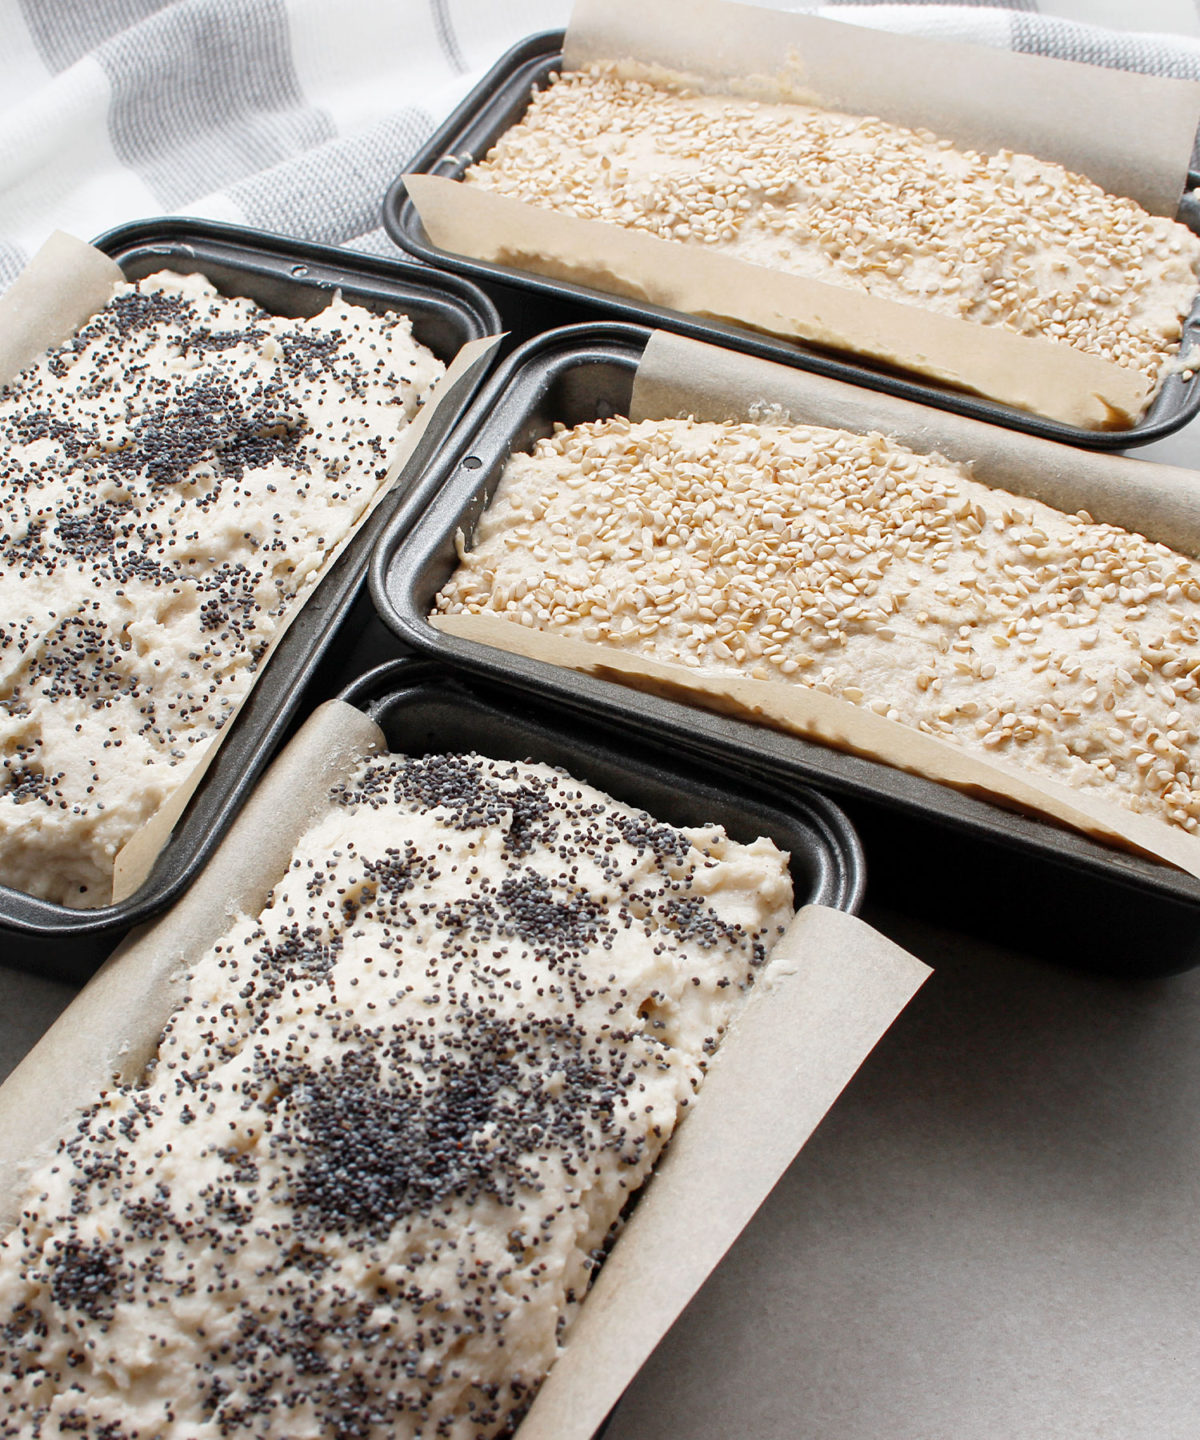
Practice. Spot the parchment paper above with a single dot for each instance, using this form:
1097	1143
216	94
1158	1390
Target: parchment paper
1134	138
778	1071
833	989
64	285
730	386
112	1029
1057	381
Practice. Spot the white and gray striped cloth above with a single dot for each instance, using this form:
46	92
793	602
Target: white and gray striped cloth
294	116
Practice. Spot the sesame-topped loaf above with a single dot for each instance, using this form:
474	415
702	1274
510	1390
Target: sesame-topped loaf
853	201
848	563
173	477
362	1188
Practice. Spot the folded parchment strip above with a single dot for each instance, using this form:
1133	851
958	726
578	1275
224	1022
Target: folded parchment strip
1020	370
1161	502
63	286
778	1071
837	988
842	725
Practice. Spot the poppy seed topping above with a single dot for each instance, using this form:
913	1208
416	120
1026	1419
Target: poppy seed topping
173	478
392	1128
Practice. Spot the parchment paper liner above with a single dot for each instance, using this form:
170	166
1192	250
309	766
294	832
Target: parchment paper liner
989	99
678	376
834	987
63	286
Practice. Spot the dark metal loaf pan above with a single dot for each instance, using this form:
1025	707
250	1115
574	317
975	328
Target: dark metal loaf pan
530	303
286	277
1022	881
423	708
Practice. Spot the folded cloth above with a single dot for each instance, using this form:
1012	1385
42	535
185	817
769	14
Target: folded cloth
294	116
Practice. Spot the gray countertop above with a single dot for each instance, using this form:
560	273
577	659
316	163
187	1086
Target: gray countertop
994	1233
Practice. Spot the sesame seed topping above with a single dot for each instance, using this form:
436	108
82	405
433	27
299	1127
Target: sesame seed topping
853	201
847	563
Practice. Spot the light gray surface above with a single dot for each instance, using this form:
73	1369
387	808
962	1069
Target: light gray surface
995	1233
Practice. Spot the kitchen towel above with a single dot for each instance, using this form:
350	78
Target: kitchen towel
294	116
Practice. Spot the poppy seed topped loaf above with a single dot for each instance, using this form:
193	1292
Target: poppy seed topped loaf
173	478
362	1188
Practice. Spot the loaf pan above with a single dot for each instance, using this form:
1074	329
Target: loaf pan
423	708
286	277
530	303
932	850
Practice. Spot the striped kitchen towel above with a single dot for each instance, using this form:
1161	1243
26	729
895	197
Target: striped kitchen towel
295	115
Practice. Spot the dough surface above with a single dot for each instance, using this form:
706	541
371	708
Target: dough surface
392	1124
856	202
173	478
845	562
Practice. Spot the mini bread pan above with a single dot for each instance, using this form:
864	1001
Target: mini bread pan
530	303
422	709
932	850
290	278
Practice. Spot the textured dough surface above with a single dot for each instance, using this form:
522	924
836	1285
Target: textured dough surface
845	562
172	478
363	1187
853	201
